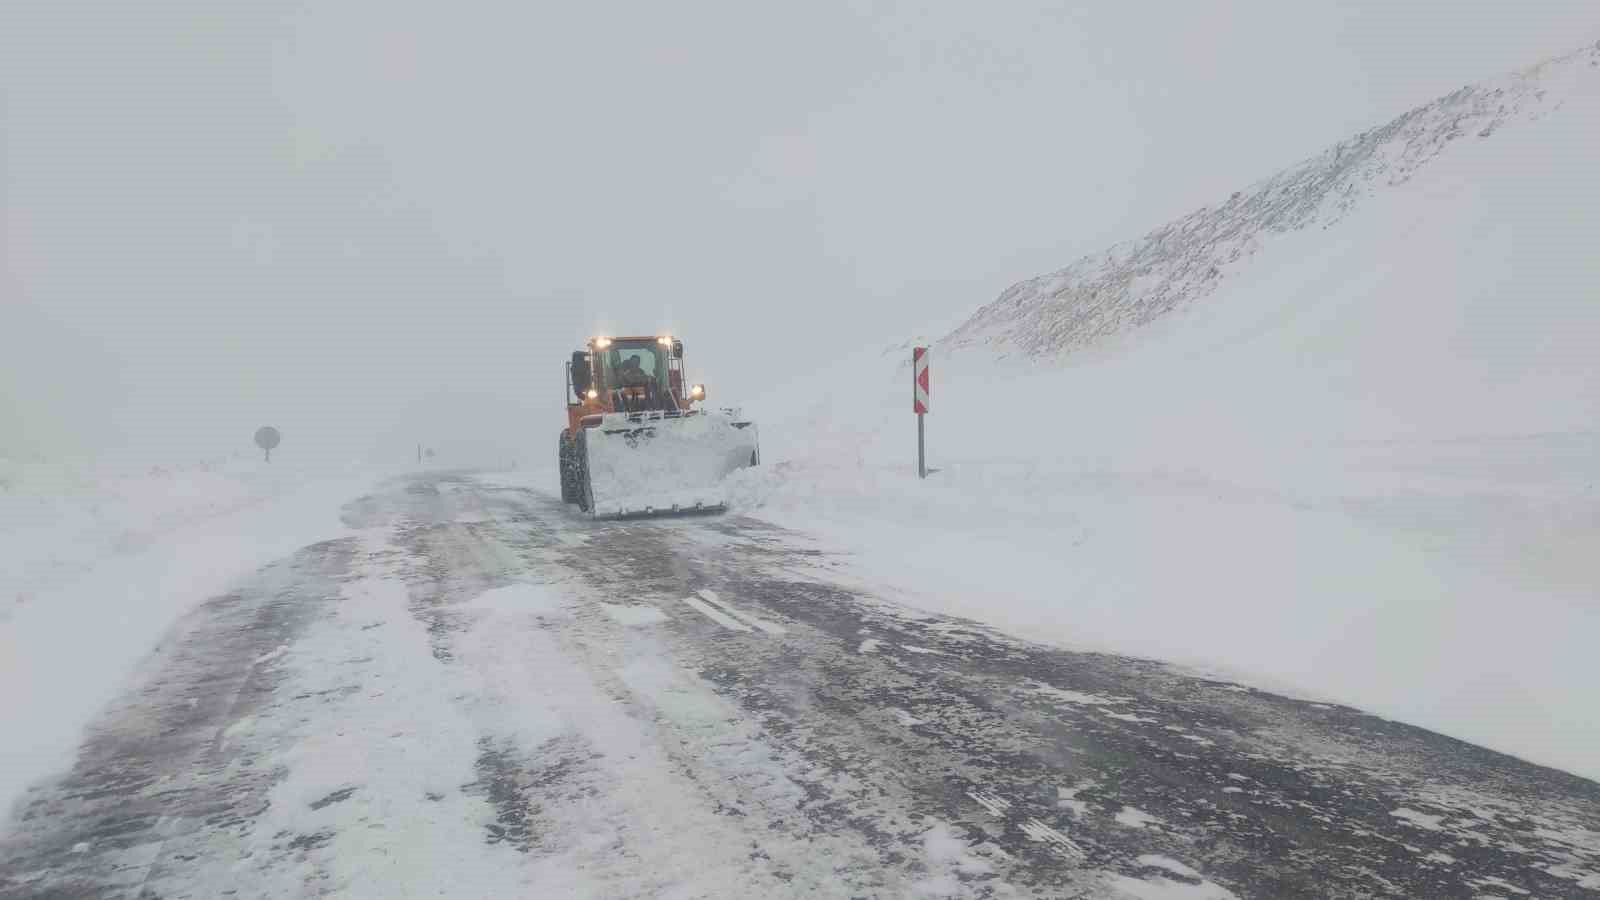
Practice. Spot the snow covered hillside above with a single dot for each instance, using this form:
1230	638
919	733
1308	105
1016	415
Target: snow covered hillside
1136	282
1338	432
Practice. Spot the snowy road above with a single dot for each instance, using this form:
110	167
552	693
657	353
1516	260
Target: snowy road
481	695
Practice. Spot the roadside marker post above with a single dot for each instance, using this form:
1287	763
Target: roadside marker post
921	390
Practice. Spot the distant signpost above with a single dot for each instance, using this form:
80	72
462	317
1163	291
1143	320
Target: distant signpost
921	400
267	438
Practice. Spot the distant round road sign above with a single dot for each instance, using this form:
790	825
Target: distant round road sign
267	437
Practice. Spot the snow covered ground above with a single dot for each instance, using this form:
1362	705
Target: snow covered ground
61	518
1366	466
97	562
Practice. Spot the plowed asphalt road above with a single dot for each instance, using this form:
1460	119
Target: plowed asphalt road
482	694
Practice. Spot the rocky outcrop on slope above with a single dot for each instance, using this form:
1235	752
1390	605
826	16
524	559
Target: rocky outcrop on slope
1135	282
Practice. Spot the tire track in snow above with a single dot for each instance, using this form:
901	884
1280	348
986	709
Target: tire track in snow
661	752
1112	737
163	776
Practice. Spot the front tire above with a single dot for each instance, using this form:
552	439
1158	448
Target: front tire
582	486
567	460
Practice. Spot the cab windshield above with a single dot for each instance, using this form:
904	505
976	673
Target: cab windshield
633	364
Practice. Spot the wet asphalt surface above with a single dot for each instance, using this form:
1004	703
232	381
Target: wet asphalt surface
1057	768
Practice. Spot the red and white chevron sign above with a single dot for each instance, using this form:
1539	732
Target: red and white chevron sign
920	389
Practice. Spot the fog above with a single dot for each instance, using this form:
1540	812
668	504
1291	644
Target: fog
377	223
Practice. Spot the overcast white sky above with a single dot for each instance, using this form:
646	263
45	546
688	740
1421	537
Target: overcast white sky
376	222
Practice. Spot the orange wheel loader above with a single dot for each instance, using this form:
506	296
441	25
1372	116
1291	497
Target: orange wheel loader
639	440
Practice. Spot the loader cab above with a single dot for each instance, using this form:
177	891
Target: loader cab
627	374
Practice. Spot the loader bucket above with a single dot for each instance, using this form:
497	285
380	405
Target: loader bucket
660	463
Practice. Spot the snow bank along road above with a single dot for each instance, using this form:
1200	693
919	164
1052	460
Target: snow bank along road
480	695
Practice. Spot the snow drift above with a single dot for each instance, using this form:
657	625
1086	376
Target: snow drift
1336	433
98	562
59	518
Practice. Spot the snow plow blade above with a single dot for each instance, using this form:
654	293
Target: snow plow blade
642	464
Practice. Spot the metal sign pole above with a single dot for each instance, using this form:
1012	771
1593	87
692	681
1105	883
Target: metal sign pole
922	455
